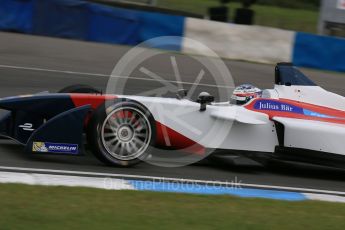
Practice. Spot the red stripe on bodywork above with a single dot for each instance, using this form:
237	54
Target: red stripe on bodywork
80	99
245	94
168	137
164	134
339	114
316	108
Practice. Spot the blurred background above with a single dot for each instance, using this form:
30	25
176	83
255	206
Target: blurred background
308	33
314	16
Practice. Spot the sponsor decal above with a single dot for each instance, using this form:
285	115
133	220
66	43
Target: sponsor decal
27	127
285	107
277	106
39	147
48	147
315	114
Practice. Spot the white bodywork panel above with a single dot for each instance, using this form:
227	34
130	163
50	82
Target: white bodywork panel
220	126
312	95
270	93
235	127
308	134
313	135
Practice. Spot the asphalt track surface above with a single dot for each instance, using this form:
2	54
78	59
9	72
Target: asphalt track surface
30	64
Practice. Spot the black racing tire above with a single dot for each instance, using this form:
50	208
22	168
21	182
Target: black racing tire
80	89
114	136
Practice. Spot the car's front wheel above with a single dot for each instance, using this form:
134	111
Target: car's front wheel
121	134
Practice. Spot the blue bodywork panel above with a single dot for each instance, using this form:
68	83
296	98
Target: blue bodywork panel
49	122
63	134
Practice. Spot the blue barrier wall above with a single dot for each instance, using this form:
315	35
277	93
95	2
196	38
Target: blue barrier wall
82	20
319	52
16	15
87	21
60	18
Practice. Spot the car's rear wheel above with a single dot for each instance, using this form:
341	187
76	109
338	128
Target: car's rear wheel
80	89
121	134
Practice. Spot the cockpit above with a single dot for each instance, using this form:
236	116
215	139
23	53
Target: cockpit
286	76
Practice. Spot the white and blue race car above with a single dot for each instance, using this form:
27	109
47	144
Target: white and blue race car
295	121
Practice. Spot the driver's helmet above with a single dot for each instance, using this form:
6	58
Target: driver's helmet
244	93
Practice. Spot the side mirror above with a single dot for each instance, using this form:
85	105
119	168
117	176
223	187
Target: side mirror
181	93
204	98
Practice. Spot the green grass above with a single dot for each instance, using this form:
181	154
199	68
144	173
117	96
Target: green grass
285	18
37	207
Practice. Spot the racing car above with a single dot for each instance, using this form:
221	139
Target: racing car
295	121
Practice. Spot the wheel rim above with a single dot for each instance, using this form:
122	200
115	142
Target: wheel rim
126	133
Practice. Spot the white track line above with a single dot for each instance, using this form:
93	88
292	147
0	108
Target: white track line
62	180
127	176
104	75
323	197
